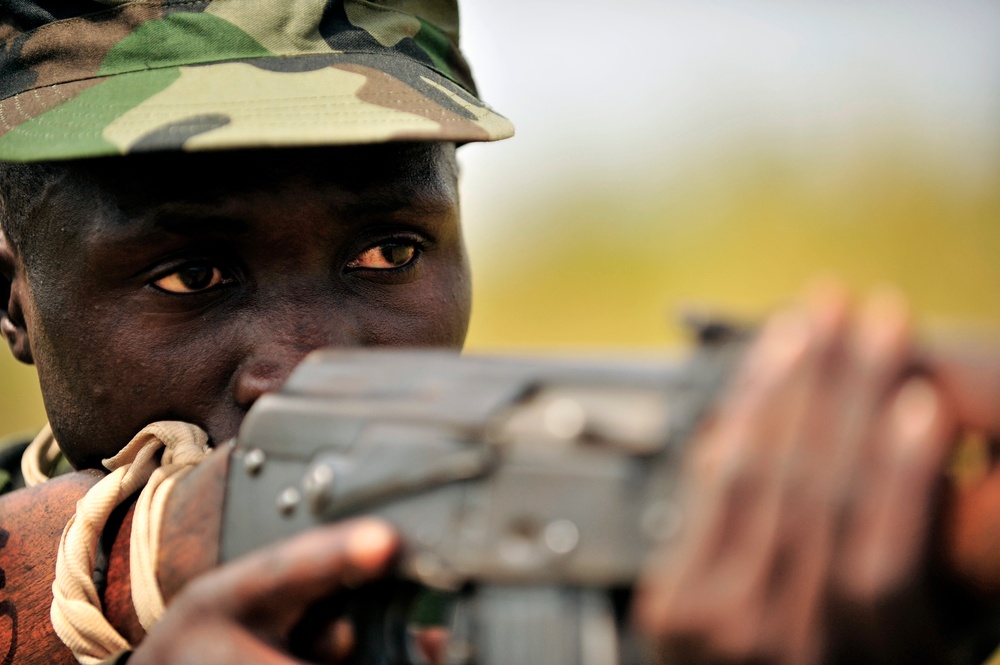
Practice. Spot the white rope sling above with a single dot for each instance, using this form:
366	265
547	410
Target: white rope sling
77	616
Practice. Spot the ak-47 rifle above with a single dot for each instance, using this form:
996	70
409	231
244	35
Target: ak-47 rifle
535	488
532	489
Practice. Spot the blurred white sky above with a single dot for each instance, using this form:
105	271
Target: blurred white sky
634	90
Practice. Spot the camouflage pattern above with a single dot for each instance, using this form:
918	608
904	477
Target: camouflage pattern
87	78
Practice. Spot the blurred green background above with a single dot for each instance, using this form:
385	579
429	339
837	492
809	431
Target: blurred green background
718	155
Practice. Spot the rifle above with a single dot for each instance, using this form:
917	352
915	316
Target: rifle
533	490
347	403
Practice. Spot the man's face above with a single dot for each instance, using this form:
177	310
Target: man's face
182	287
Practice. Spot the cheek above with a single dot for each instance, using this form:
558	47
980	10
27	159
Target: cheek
434	312
86	393
109	370
105	381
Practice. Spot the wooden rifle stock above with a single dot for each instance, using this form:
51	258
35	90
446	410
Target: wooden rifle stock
31	522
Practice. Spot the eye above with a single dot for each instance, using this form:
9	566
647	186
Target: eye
385	256
192	278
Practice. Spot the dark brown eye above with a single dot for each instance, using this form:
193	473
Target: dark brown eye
191	278
385	257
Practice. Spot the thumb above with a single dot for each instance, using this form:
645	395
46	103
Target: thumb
271	589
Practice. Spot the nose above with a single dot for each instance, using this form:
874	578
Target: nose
276	342
258	379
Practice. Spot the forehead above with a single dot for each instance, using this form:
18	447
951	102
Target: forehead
354	182
414	170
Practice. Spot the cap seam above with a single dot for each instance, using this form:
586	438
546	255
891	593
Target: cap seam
275	104
51	135
238	60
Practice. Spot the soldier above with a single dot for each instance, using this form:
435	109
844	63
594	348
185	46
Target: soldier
195	195
198	193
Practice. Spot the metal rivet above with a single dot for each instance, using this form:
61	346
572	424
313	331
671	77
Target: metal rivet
253	461
426	565
288	500
318	485
564	418
561	536
433	571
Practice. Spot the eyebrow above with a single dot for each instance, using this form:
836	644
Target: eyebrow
395	203
193	221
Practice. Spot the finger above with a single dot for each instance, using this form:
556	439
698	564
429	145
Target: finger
714	588
836	415
432	641
970	376
790	554
854	367
186	636
708	494
879	590
797	356
887	539
818	488
271	589
718	480
739	448
333	643
923	432
880	352
779	424
878	359
829	454
780	346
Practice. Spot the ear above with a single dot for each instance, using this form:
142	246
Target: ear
13	291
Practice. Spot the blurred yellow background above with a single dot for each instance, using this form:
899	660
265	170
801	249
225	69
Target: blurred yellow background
721	153
718	155
739	239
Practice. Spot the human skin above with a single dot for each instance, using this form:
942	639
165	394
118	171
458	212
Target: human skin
818	530
289	244
183	287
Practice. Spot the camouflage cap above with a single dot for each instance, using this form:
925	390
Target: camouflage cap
87	78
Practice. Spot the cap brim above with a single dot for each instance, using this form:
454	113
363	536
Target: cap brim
308	100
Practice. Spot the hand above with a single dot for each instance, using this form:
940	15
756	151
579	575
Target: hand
810	501
261	608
